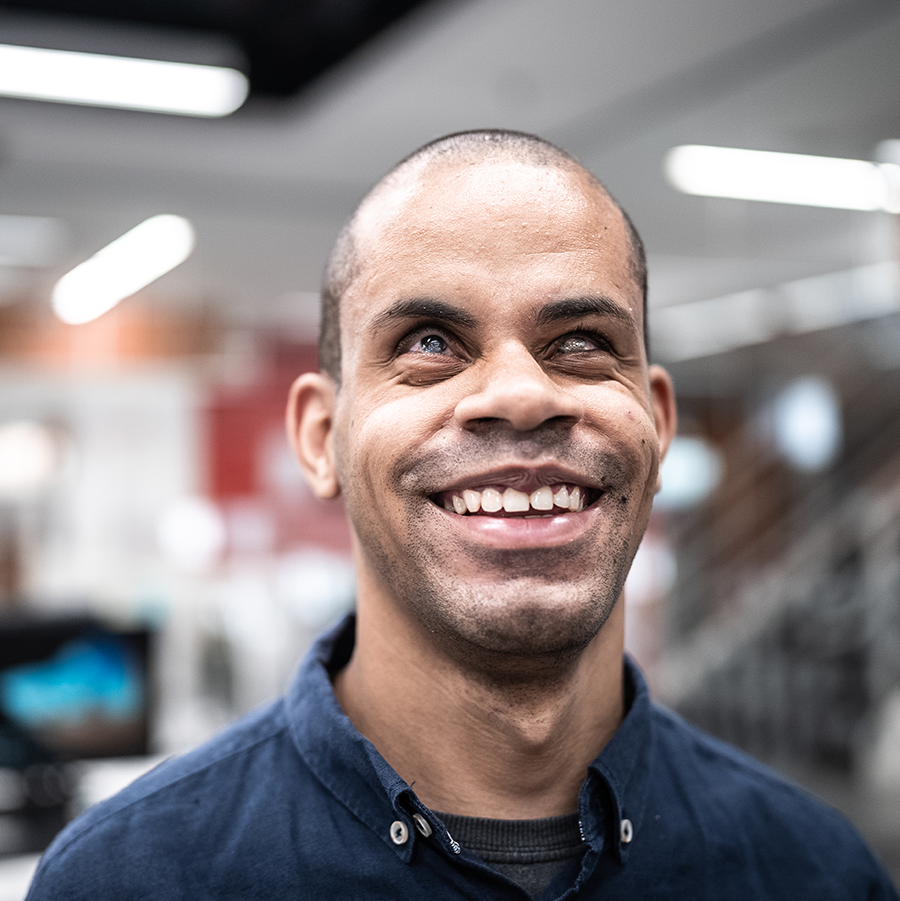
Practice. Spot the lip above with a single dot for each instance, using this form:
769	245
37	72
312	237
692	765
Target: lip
522	478
521	533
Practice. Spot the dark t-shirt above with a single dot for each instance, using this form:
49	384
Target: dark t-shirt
532	853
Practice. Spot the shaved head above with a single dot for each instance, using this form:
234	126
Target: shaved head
463	148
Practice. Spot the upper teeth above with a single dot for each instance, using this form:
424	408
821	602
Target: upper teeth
512	501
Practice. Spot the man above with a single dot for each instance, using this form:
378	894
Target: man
487	412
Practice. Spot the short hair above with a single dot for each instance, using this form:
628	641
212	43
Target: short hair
344	261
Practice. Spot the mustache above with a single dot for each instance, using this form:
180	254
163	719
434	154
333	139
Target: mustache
430	468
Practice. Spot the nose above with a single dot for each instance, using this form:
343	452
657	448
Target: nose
515	389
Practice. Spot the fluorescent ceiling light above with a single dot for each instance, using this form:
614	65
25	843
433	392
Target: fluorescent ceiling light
888	151
122	268
704	327
784	178
96	80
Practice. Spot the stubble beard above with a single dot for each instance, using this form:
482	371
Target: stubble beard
511	627
524	611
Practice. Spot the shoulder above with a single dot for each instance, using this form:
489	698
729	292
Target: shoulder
714	770
194	801
717	775
747	816
247	743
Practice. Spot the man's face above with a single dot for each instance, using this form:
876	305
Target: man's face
493	354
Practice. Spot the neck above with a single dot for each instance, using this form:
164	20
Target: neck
513	748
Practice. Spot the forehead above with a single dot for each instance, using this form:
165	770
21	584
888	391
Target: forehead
449	197
490	226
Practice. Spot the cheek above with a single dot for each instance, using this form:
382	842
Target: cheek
394	425
648	444
615	412
375	436
634	442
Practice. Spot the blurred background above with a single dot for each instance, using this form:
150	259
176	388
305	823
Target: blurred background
162	564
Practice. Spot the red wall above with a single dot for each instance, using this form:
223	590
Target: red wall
249	472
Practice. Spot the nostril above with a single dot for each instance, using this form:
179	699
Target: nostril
523	404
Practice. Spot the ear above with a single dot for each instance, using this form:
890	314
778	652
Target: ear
665	416
310	416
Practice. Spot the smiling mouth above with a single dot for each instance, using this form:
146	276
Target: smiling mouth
548	500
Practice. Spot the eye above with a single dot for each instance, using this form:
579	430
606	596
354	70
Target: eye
426	357
582	343
430	344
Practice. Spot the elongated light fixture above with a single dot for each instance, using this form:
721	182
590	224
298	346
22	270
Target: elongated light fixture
784	178
122	268
94	79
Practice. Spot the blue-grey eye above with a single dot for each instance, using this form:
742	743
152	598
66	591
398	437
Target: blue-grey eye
431	344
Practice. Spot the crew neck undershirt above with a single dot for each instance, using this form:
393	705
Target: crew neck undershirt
529	852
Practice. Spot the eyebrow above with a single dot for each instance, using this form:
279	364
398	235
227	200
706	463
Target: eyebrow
425	308
575	307
441	311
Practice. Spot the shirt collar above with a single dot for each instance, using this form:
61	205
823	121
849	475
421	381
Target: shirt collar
622	771
345	762
349	766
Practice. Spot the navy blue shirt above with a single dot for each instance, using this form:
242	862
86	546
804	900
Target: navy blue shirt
292	802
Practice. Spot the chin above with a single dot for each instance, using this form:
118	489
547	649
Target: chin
518	623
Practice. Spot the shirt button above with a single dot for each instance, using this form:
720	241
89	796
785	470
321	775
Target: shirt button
626	831
422	824
399	832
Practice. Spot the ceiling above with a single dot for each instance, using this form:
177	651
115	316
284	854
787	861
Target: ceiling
281	46
617	84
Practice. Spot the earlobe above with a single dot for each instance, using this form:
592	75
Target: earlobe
665	416
310	415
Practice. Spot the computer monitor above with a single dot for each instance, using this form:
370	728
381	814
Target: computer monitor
71	688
